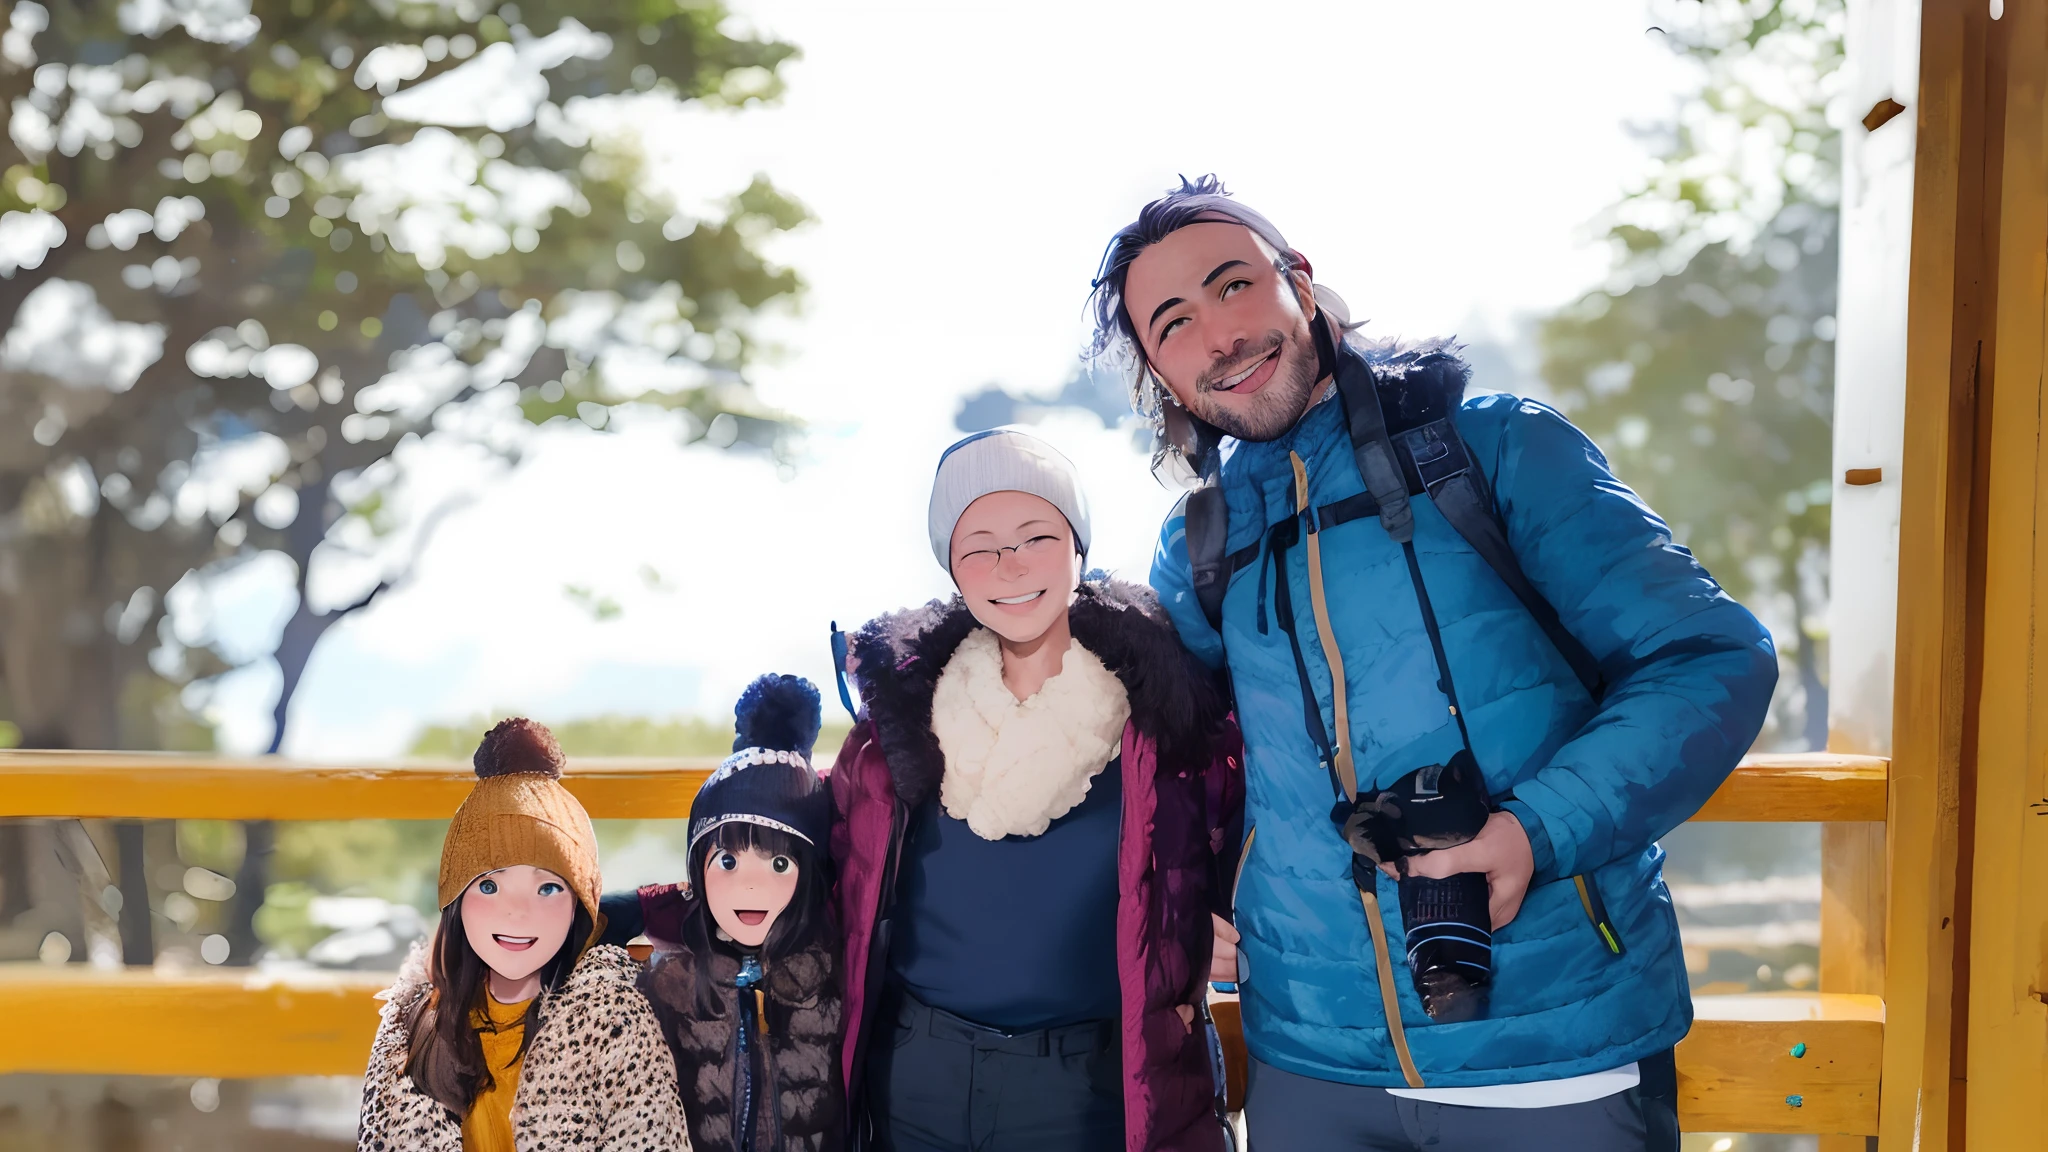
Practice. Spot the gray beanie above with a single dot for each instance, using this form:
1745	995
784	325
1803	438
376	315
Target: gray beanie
1002	460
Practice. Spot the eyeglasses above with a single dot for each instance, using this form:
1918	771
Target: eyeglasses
983	561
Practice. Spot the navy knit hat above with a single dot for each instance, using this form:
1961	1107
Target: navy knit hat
768	780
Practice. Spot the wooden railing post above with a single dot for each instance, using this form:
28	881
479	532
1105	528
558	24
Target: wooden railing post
1950	335
2002	1038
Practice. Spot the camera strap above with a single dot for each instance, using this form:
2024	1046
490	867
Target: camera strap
1458	485
1444	683
1280	538
1338	758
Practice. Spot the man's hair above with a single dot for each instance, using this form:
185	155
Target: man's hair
1198	201
1203	200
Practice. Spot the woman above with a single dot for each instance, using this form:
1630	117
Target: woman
509	1032
1036	818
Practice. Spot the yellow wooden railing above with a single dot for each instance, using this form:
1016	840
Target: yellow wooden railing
1779	1062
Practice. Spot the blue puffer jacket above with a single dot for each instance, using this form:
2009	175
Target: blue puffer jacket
1689	673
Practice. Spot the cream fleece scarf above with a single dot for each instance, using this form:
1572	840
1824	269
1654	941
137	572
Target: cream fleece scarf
1014	766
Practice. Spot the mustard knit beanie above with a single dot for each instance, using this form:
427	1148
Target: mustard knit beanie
519	813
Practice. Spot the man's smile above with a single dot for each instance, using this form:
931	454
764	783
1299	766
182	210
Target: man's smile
1252	378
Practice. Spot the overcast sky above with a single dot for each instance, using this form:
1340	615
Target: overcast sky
1439	163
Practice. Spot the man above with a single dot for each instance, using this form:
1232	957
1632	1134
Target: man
1601	681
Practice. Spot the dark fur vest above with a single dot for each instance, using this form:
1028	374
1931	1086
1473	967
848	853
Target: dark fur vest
801	1103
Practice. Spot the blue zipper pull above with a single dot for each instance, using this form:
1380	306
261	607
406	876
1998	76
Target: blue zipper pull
747	991
839	650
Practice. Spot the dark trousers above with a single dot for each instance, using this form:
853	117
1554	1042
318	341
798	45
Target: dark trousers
938	1083
1288	1113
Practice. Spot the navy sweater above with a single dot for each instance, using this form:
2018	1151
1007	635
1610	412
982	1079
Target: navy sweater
1015	934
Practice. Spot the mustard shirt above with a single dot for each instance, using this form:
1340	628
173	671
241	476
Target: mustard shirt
488	1127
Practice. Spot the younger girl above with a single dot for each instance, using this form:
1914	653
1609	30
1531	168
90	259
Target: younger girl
743	976
507	1032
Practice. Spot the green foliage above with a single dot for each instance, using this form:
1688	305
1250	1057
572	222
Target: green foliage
1712	391
1705	366
156	718
635	736
214	844
1752	139
285	921
396	860
600	606
654	847
313	242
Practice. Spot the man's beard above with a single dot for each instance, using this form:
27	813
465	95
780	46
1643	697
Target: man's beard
1273	409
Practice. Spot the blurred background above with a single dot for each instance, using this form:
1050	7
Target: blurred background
372	369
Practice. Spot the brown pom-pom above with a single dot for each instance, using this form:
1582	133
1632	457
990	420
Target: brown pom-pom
518	745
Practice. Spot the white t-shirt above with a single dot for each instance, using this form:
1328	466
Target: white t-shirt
1537	1094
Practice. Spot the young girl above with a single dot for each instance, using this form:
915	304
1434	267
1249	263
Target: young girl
743	977
507	1032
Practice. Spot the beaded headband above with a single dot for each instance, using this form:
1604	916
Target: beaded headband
709	824
738	761
748	757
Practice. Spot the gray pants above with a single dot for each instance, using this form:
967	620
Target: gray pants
937	1083
1288	1113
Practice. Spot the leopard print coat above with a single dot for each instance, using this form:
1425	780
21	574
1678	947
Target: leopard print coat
597	1075
801	1049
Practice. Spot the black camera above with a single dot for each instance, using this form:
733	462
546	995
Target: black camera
1449	925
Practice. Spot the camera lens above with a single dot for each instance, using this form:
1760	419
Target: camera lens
1450	944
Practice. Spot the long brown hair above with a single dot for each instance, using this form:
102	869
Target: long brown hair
445	1056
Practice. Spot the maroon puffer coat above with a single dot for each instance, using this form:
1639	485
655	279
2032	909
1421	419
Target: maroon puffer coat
1182	813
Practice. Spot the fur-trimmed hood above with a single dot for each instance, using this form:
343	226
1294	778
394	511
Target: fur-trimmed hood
899	656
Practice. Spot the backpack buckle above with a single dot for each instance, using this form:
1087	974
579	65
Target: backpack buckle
1437	457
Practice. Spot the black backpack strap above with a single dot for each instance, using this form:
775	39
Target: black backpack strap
1431	457
1458	488
1371	447
1206	521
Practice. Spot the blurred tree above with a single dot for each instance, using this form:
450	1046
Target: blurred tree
396	859
618	736
1705	365
1093	388
250	251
